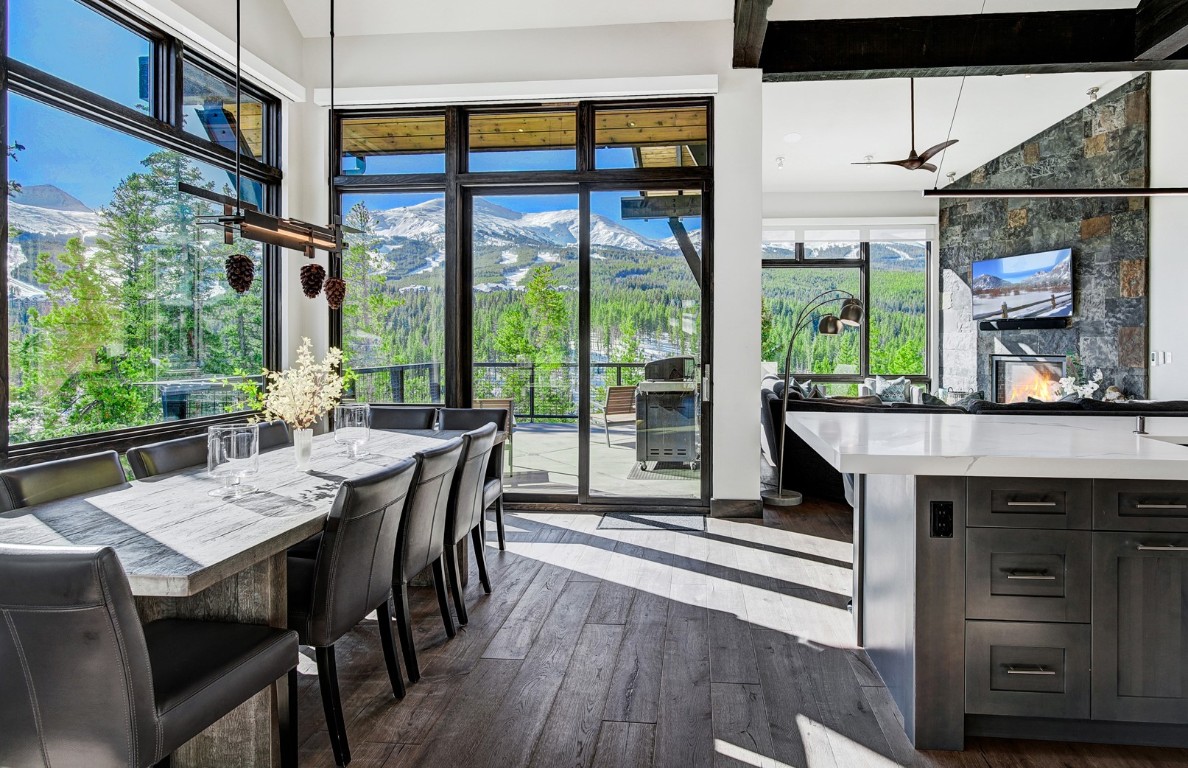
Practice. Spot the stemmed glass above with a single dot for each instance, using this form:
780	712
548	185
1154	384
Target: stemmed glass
232	454
352	427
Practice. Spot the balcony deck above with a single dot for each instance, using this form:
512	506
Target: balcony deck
545	460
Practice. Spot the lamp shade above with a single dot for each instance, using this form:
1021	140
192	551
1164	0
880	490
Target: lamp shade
829	325
851	312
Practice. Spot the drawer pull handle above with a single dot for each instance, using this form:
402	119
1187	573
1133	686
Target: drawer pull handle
1031	503
1030	670
1030	576
1161	506
1161	548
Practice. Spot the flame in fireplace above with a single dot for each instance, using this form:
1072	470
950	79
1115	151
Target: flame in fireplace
1036	382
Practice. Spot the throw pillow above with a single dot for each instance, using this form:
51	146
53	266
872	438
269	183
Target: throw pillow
927	399
893	390
819	393
965	402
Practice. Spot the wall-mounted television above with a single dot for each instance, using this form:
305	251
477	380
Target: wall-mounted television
1033	285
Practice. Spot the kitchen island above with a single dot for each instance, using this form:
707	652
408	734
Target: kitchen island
1020	576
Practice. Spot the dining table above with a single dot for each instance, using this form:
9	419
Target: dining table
192	555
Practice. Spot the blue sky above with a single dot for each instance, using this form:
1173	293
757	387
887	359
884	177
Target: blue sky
1016	268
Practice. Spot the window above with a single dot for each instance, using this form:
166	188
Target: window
651	137
393	144
393	320
119	315
886	267
523	141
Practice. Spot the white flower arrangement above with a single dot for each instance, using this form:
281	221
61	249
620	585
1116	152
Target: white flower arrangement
300	395
1069	385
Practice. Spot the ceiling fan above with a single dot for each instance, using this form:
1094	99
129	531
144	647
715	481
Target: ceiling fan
915	162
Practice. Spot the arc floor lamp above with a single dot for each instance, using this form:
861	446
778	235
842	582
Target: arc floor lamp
850	313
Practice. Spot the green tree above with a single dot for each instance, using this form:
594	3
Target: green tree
370	303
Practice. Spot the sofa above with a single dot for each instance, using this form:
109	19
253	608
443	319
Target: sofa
806	471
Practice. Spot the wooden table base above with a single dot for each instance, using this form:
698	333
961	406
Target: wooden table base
247	736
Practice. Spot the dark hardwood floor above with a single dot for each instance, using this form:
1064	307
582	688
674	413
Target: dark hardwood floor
632	649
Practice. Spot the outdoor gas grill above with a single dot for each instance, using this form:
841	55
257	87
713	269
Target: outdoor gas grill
666	413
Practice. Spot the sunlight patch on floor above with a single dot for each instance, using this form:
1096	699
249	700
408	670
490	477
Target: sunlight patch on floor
746	756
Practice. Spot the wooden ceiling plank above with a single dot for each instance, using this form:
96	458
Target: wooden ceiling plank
750	28
1161	28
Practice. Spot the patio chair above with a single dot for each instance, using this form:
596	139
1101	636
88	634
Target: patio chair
618	408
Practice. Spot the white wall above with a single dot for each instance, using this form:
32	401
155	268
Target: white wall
858	206
580	54
1169	236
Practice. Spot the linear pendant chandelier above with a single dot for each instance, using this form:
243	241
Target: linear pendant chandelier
247	220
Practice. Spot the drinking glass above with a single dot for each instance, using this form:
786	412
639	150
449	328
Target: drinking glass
352	427
232	454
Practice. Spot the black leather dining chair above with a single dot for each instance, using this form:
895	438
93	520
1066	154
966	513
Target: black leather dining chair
402	417
465	512
274	434
350	576
52	480
421	541
86	685
167	456
473	418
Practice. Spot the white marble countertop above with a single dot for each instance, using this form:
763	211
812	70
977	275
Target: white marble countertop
997	446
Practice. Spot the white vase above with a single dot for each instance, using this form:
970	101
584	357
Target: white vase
303	447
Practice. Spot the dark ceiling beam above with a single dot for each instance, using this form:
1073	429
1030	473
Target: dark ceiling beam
1161	28
946	46
750	27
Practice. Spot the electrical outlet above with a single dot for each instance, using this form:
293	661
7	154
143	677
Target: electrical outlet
941	520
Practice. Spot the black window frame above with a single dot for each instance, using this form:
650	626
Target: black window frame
863	266
163	128
458	182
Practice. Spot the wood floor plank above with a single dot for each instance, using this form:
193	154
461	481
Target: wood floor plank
570	734
684	723
612	604
634	694
625	745
514	638
513	728
742	733
732	653
793	717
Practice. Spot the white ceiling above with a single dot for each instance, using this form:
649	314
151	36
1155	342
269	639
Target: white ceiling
842	121
869	9
386	17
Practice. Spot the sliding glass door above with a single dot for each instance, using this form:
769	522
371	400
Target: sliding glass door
587	318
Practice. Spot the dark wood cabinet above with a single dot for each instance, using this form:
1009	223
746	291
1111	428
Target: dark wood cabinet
1140	627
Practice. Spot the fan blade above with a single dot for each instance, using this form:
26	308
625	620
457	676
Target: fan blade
900	163
927	167
931	152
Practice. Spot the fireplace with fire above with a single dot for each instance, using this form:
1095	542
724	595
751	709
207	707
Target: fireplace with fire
1018	377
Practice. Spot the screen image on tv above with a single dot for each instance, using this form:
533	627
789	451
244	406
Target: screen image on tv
1031	285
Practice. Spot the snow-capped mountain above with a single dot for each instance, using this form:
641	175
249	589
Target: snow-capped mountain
51	221
496	226
989	283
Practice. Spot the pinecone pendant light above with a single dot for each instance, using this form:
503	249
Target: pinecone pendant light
240	272
336	289
312	277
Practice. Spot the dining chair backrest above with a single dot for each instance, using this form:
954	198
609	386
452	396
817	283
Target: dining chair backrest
274	434
473	418
466	497
353	571
386	416
167	456
74	669
52	480
422	535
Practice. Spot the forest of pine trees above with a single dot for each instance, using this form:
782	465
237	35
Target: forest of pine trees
145	303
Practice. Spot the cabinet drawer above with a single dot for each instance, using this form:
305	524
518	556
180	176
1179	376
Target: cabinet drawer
1028	575
1028	502
1027	669
1140	505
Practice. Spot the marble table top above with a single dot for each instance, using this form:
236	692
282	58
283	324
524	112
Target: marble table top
997	446
174	540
